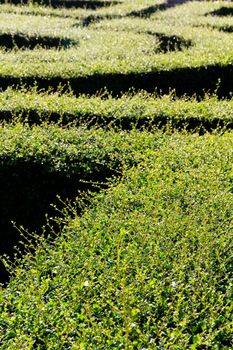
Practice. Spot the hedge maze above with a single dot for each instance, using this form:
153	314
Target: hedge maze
116	174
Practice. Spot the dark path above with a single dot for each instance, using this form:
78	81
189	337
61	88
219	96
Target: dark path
144	13
150	10
86	4
172	3
186	81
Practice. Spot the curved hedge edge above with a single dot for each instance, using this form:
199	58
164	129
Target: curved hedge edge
149	266
140	110
39	163
185	81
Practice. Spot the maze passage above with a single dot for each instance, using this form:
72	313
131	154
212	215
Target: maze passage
22	41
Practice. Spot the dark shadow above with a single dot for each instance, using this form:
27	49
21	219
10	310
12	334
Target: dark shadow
96	18
190	124
26	191
172	3
10	41
226	29
185	81
150	10
221	12
125	122
86	4
166	43
145	13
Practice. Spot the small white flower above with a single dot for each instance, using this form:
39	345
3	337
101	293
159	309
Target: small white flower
173	284
86	284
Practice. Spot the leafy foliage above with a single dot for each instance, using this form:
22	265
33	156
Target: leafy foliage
147	263
131	110
122	44
150	265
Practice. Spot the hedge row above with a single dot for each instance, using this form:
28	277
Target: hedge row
39	163
130	111
164	52
148	266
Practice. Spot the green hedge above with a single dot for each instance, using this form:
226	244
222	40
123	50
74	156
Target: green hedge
130	111
188	81
121	53
148	266
39	163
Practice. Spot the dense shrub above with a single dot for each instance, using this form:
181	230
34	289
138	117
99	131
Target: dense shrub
148	266
132	110
38	164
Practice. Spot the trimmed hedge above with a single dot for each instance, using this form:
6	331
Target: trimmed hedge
121	53
148	266
133	110
40	163
139	253
185	81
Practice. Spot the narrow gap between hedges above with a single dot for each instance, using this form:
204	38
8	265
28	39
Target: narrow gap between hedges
143	13
150	10
20	40
126	122
226	29
221	12
184	81
85	4
27	192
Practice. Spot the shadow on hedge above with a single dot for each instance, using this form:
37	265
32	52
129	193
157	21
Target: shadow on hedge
126	122
185	81
144	13
20	40
150	10
226	29
166	43
221	12
26	191
88	20
86	4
